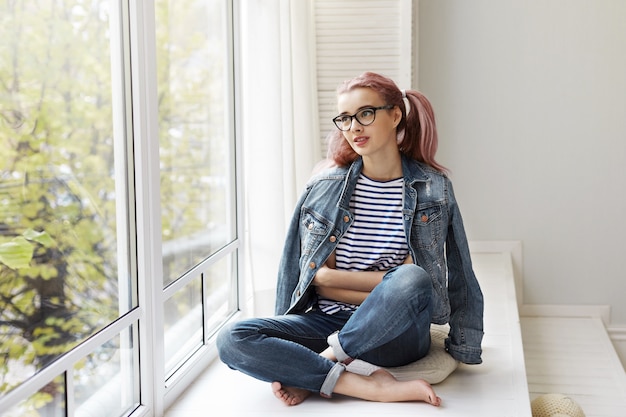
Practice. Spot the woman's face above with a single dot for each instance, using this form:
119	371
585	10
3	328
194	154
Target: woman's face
376	138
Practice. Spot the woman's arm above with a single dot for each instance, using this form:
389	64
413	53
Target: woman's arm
361	281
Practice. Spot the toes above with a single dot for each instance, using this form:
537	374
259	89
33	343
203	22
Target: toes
434	400
276	388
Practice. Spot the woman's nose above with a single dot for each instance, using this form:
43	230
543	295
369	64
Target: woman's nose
355	125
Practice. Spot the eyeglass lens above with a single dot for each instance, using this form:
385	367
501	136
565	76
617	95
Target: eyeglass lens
364	117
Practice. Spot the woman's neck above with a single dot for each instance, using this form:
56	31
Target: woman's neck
383	169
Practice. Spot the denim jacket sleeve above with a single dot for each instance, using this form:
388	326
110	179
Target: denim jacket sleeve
466	298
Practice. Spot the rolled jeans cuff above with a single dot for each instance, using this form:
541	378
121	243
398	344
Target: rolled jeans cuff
331	380
333	342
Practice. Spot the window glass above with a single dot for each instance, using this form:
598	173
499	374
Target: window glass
185	310
105	381
183	324
196	145
49	401
60	280
221	292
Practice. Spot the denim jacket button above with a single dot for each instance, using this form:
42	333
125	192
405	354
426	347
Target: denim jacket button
312	265
333	239
424	218
298	293
346	219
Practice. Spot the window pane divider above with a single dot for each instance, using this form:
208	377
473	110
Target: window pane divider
200	267
70	404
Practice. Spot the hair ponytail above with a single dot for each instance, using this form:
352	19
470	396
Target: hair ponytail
420	140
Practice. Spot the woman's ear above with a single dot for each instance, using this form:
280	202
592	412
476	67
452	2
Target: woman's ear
397	116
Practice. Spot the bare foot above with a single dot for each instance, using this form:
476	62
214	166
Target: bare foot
381	386
289	395
413	390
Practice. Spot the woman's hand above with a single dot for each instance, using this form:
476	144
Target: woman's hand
323	276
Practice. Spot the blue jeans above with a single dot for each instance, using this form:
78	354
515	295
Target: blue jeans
391	328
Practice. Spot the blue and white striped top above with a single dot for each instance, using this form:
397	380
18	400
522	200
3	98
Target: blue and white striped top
375	241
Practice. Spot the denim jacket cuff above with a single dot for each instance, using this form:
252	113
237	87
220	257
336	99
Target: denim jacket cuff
464	353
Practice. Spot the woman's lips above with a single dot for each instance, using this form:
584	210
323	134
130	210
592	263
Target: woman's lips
360	140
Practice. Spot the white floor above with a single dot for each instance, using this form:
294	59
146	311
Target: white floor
498	387
574	356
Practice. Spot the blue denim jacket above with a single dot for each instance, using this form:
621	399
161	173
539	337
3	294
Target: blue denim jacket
436	238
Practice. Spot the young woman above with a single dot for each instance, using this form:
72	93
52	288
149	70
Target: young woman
375	252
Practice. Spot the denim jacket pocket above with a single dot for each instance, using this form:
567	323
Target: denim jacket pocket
312	231
427	223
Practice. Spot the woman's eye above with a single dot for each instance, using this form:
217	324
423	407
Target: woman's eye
366	113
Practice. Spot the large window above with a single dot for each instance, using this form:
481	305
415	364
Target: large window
197	171
79	311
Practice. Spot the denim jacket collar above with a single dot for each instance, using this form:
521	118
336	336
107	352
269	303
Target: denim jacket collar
412	173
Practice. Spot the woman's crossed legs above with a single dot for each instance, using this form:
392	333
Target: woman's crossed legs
391	328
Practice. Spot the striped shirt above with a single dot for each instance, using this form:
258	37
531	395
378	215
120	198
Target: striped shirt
375	241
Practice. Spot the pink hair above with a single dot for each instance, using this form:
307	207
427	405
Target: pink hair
417	132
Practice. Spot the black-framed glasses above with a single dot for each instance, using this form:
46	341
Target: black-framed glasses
365	116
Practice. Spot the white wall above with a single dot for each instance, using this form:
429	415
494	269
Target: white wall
530	98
